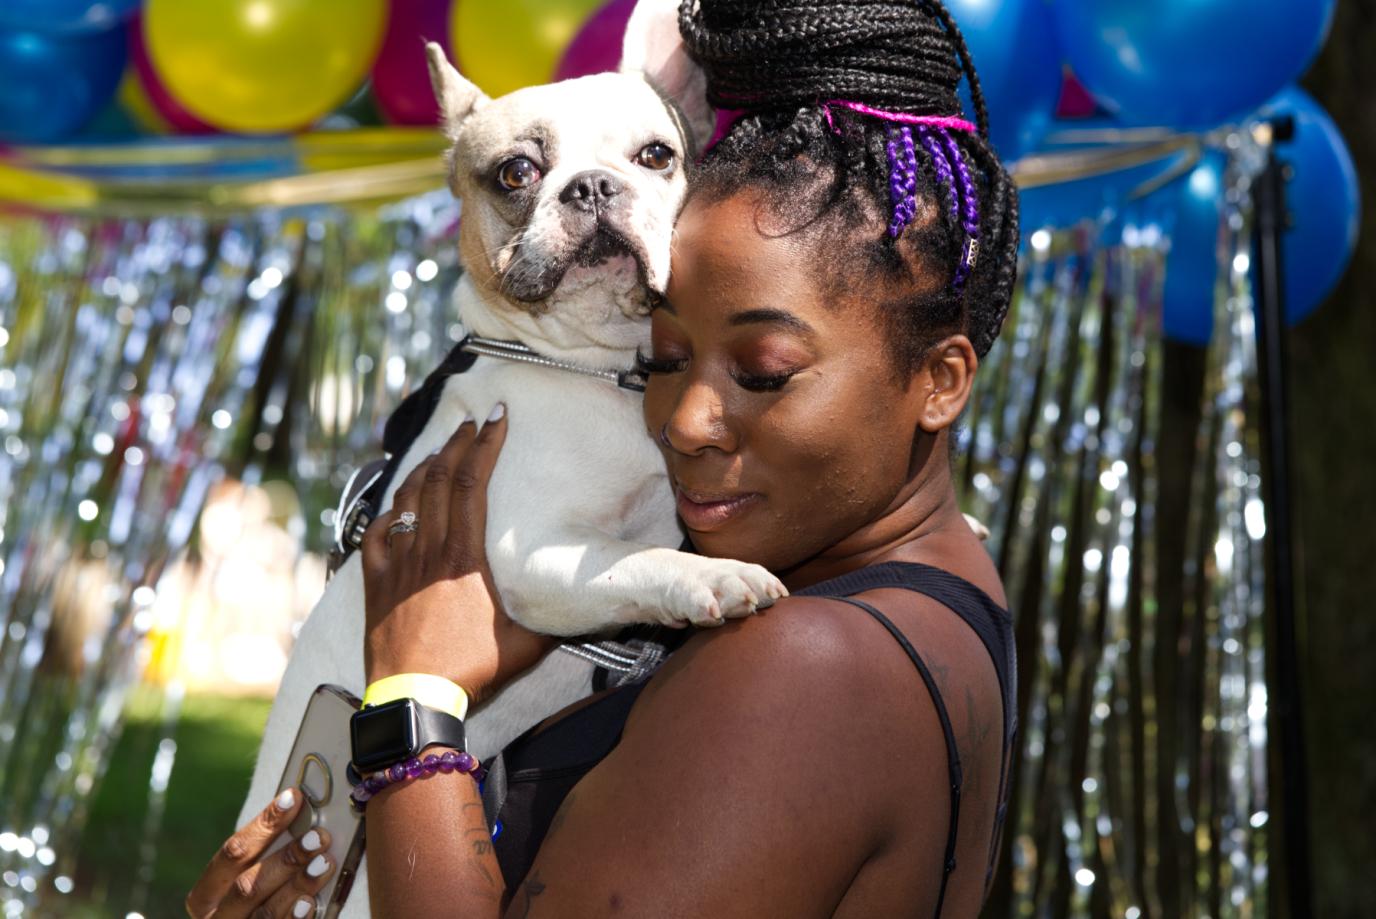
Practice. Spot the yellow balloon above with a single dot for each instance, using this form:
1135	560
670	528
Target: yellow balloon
262	66
506	44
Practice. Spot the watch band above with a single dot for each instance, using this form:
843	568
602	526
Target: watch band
426	688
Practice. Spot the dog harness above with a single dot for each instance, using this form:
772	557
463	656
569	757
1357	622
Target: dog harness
618	661
361	500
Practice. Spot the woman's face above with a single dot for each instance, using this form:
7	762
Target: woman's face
777	409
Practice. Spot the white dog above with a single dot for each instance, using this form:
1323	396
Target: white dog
569	193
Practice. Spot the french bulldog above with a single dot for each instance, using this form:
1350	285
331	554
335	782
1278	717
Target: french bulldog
570	192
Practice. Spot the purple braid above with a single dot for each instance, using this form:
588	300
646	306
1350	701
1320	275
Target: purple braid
944	176
902	178
970	197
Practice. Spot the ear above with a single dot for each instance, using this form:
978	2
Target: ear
944	383
654	47
458	98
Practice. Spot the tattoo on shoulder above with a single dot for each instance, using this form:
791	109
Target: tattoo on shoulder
531	888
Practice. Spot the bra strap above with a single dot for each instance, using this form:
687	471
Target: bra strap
952	755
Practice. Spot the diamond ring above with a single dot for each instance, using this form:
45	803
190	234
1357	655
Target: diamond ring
405	523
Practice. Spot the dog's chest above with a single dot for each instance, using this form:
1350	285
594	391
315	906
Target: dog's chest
575	445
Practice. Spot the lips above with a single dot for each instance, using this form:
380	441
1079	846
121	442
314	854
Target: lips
706	511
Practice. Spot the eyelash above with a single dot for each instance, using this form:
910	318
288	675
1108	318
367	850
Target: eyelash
747	381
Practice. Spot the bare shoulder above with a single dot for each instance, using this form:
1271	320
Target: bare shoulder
785	764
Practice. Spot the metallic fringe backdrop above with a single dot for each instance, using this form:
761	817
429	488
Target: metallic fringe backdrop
146	362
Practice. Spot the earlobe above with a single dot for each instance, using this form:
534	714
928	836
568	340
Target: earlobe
947	379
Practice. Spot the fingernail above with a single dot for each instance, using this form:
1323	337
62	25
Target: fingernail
302	909
468	419
285	800
311	841
318	866
498	411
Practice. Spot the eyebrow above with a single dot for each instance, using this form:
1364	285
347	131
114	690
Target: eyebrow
772	317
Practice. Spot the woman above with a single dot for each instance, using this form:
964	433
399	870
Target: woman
846	256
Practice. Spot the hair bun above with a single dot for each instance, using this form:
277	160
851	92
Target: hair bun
765	56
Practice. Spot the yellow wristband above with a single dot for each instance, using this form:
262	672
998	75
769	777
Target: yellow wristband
426	688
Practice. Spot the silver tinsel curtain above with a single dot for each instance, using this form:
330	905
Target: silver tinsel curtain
145	362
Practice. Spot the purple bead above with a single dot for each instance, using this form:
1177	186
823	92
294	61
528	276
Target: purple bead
448	760
431	764
414	769
466	763
373	784
360	795
396	772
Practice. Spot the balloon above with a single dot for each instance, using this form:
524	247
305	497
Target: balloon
597	47
1324	203
51	85
505	44
401	79
258	66
144	93
1166	62
66	16
1013	46
1189	211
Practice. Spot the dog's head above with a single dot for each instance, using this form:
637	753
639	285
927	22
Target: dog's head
575	185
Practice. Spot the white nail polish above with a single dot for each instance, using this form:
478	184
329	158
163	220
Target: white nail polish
498	411
318	866
302	909
285	800
311	841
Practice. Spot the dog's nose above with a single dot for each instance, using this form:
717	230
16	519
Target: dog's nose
591	190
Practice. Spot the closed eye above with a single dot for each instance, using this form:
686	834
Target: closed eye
758	383
647	364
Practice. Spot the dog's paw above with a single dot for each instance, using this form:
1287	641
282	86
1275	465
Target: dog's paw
717	589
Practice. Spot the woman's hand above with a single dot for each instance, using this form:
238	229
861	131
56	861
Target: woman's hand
239	881
431	605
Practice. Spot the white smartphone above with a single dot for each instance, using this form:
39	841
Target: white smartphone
319	768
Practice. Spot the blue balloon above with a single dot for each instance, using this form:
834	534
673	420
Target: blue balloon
1324	201
1013	46
66	16
1189	64
51	85
1189	212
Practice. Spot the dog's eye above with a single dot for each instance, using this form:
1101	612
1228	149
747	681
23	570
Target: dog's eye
656	156
518	173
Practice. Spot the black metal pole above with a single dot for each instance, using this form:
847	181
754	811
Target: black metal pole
1269	199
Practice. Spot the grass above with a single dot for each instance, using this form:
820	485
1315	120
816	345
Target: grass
124	864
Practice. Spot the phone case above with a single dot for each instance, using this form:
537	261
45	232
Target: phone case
319	767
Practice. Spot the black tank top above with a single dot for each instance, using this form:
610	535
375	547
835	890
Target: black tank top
528	781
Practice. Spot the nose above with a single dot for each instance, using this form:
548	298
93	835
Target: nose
697	422
591	190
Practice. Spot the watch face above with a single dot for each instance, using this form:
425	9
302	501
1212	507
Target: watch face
383	735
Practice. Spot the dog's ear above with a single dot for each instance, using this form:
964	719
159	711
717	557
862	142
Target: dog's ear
458	98
653	46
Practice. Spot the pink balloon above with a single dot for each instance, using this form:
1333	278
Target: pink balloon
179	119
401	80
597	46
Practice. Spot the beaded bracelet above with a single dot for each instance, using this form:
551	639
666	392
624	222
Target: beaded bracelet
413	768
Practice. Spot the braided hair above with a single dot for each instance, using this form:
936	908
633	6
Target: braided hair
847	109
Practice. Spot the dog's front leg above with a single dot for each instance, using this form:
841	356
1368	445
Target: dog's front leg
582	580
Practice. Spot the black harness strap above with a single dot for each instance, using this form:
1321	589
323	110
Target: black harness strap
952	756
362	500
